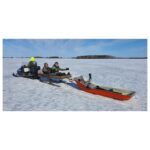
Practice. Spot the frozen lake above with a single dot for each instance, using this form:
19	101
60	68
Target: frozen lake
21	94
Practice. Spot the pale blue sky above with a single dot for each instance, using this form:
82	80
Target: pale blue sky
74	47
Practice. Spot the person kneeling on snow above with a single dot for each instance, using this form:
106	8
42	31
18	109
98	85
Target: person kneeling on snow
56	68
46	69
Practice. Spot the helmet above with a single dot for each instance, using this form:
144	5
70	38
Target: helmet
32	59
56	64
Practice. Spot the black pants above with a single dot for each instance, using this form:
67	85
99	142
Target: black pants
34	70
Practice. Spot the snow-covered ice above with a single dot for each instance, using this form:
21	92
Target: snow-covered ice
21	94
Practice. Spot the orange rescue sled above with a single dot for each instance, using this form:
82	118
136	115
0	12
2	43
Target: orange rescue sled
118	94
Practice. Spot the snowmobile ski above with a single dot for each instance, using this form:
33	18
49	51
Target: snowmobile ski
51	83
15	75
24	76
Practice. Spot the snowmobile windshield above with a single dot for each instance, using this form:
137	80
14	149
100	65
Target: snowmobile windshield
24	63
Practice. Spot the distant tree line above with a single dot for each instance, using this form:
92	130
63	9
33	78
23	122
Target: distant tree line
106	57
96	57
84	57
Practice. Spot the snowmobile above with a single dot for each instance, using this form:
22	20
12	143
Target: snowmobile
51	78
115	93
26	72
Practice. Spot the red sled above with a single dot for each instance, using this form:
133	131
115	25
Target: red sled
115	93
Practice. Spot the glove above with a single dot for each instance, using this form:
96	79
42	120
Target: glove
67	68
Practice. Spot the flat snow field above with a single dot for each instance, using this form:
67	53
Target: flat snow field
21	94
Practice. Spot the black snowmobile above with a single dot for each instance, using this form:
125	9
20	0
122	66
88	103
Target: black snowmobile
27	72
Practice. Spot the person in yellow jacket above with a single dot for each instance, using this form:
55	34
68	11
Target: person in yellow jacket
32	63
